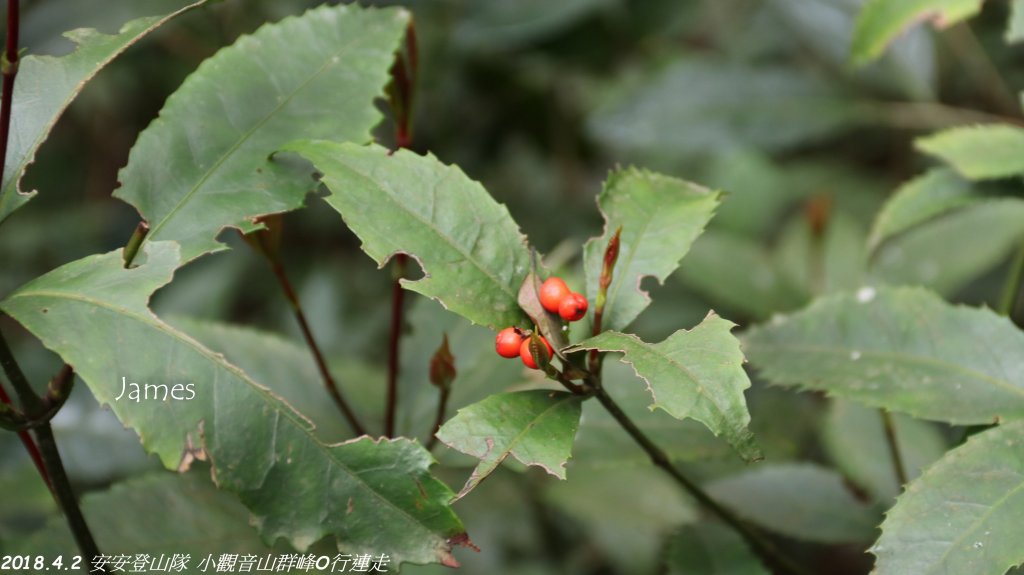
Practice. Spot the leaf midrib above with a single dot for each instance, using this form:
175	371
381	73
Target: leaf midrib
533	423
653	349
244	137
438	232
292	416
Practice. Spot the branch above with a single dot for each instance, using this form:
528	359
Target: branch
899	467
752	536
401	91
259	240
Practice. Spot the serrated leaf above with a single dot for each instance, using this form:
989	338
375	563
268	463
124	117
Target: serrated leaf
660	217
710	549
46	86
947	252
280	365
202	164
375	496
696	374
981	152
900	348
470	249
854	439
962	515
158	513
800	500
923	198
881	21
601	443
535	427
481	372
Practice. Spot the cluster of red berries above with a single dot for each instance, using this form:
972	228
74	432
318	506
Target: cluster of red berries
556	297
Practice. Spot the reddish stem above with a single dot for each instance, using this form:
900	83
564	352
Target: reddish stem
30	445
402	101
394	338
10	71
307	334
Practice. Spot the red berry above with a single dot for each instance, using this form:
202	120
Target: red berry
552	291
508	341
527	357
573	307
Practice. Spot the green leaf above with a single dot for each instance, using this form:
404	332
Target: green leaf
900	348
158	513
800	500
740	274
946	253
481	372
919	200
711	549
660	217
470	249
282	366
1015	29
601	443
881	21
697	106
982	152
202	165
854	439
47	85
962	515
536	427
375	496
696	374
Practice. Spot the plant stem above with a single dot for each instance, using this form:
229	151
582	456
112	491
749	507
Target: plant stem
30	444
66	496
611	256
394	339
134	243
9	68
765	548
442	406
404	72
307	334
30	402
52	470
1011	291
894	447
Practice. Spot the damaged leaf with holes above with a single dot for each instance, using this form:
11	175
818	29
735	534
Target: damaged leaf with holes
374	496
